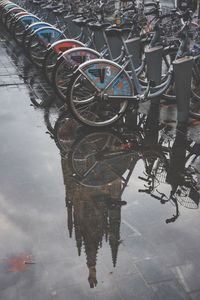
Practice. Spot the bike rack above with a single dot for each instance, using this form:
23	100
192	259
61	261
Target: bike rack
182	76
154	67
154	64
134	48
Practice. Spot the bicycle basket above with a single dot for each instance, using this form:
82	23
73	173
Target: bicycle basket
188	197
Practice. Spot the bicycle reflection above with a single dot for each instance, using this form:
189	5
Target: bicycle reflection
97	167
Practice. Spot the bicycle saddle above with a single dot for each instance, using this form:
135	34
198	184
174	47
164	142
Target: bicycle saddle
50	7
36	2
117	31
60	11
82	22
173	10
98	26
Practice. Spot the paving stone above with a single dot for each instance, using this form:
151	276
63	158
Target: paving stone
139	248
188	276
169	290
195	296
134	287
154	270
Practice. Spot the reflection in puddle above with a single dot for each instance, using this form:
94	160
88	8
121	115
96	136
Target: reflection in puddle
99	166
95	214
144	157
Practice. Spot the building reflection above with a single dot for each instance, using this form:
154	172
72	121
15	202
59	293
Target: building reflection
97	167
94	214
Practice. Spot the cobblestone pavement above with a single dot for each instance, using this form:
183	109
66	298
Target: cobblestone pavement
60	238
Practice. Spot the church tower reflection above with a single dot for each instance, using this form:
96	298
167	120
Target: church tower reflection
94	215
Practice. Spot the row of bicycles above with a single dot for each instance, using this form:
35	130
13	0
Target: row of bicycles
78	53
144	150
155	159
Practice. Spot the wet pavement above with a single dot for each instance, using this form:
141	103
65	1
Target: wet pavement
93	215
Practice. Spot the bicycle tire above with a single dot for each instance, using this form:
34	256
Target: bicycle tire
87	104
29	31
12	25
54	52
19	26
66	65
65	132
10	16
6	10
39	42
83	158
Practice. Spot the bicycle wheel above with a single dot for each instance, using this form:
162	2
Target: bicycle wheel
11	25
5	9
10	16
66	65
29	32
65	132
19	26
53	53
96	161
39	42
3	4
89	88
